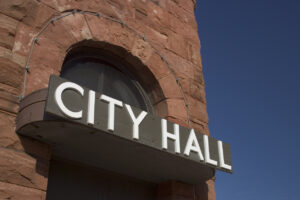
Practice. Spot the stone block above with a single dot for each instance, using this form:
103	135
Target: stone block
121	8
22	169
16	192
14	57
158	18
8	137
58	33
99	27
177	44
188	5
18	9
177	109
121	36
186	48
76	24
169	87
47	58
157	66
193	88
6	39
111	32
23	39
64	5
141	7
11	76
181	14
8	102
39	16
151	15
158	39
8	23
8	27
173	110
182	67
47	53
193	52
185	30
38	78
136	25
197	110
106	8
142	50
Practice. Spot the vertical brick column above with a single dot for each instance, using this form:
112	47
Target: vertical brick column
24	162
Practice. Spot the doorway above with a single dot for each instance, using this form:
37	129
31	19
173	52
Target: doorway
70	180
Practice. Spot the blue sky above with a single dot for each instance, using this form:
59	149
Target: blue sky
251	55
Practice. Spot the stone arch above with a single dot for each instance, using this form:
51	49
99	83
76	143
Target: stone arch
119	55
82	28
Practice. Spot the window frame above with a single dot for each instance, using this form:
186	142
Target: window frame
110	61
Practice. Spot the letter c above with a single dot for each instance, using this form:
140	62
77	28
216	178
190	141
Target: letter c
58	98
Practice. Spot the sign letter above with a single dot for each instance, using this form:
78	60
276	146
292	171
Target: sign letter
111	110
136	121
166	135
193	145
207	153
91	108
58	92
221	157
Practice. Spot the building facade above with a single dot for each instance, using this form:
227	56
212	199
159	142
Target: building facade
156	41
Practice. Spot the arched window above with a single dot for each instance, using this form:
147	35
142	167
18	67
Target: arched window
106	75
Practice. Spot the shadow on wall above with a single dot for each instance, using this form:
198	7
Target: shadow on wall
178	190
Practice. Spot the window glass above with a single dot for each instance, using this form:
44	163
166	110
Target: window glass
112	81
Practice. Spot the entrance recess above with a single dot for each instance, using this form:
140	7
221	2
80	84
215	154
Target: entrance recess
70	180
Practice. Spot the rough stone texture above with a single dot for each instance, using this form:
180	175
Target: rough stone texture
8	27
16	192
173	110
8	139
56	28
18	9
8	103
52	56
157	66
21	169
23	39
159	40
170	88
13	57
11	76
77	26
142	50
110	32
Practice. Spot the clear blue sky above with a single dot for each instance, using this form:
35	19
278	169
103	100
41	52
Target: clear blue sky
251	60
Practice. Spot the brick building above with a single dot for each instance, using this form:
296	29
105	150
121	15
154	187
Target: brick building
158	41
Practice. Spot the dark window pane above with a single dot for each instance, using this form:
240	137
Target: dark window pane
96	75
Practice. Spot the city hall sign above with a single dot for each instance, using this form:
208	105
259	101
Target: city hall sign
98	130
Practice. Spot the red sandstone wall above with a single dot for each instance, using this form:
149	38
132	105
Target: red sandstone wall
160	35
